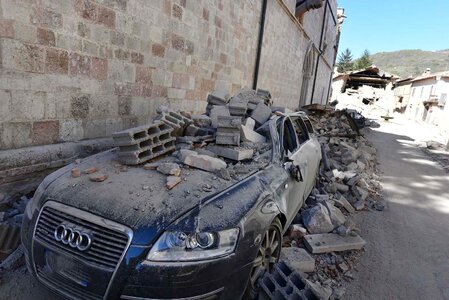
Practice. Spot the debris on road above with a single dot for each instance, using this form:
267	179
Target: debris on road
331	242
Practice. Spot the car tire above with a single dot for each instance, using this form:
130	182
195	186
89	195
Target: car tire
267	255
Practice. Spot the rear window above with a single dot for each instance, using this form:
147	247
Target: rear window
308	125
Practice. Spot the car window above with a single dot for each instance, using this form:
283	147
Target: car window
300	130
289	140
308	125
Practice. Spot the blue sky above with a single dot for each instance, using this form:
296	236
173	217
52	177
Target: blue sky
388	25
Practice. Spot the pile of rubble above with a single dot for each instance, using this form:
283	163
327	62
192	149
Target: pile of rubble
225	140
347	183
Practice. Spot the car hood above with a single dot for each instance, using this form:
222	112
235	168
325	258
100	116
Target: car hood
133	196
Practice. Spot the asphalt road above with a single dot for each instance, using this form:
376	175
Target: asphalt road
407	252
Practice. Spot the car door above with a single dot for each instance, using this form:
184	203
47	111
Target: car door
309	149
296	186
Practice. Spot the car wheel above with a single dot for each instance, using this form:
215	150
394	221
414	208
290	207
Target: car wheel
267	255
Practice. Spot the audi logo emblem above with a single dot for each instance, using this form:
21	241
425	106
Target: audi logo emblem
73	237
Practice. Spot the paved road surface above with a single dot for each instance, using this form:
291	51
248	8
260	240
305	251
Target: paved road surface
407	252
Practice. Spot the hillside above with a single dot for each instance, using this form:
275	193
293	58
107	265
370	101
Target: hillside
411	62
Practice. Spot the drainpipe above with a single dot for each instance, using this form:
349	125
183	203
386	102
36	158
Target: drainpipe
259	43
320	53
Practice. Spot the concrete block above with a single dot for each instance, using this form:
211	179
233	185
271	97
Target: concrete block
330	242
201	120
204	162
341	201
229	122
298	259
227	138
261	113
173	119
218	97
232	153
249	135
283	282
140	144
218	111
238	105
335	214
250	123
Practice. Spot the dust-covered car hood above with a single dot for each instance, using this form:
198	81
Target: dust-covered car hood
133	196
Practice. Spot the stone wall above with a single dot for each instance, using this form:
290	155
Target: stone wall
80	69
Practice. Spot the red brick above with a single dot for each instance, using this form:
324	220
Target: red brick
177	11
121	54
137	58
99	68
167	7
30	58
79	64
158	50
143	74
136	90
45	37
106	17
86	9
56	61
45	132
159	91
147	90
180	80
223	58
206	84
46	18
6	28
218	22
177	42
205	14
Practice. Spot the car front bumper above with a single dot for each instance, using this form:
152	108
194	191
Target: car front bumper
137	278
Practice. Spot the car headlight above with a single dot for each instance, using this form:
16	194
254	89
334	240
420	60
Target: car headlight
181	246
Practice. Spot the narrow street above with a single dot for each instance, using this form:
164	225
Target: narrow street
407	253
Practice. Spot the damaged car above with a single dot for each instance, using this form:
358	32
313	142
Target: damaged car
128	236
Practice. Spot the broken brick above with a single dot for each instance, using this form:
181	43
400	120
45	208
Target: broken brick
75	173
90	170
98	177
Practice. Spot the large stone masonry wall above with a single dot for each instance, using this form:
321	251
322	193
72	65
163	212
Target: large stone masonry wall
77	69
80	69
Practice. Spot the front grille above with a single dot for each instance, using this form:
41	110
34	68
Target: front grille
107	245
71	289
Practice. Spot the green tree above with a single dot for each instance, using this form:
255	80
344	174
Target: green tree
345	62
364	61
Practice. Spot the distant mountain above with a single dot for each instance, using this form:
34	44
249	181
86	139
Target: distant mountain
411	62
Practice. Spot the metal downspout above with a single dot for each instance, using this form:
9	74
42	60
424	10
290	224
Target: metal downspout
259	43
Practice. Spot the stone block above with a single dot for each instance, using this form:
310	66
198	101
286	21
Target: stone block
232	153
261	113
317	219
249	135
45	132
173	181
204	162
298	259
335	214
17	135
169	169
330	242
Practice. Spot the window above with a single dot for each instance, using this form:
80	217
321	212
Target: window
290	141
300	130
308	125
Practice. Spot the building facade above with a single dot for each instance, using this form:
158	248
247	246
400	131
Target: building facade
81	69
428	98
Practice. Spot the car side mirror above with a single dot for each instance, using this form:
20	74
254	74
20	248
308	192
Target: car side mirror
295	172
